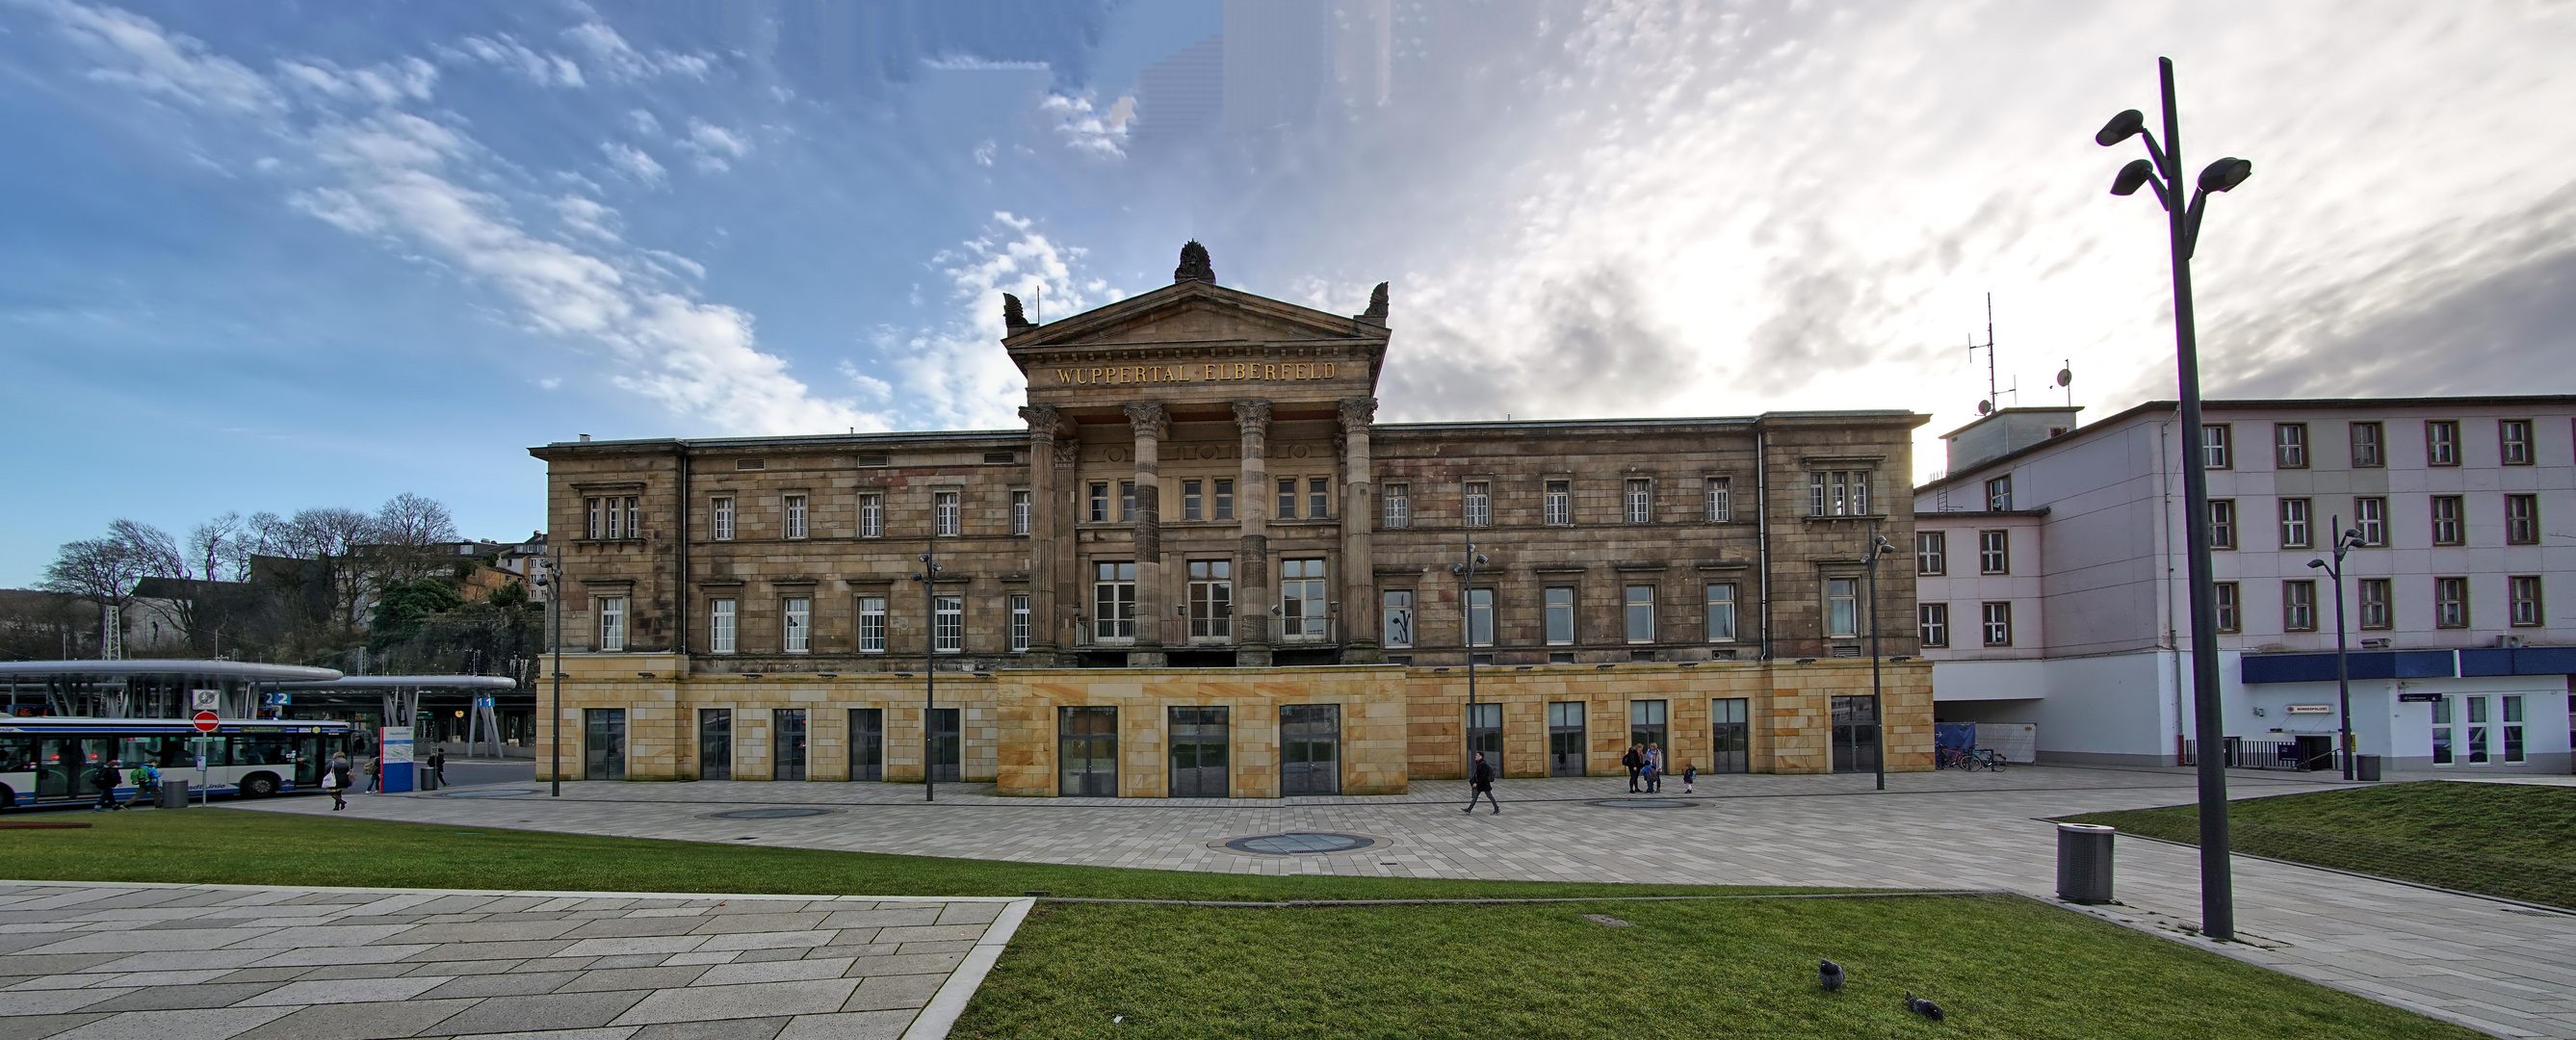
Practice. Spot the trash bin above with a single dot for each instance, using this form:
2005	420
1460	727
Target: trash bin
2365	767
174	794
428	776
2083	863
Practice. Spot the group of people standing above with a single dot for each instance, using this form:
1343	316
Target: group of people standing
1645	764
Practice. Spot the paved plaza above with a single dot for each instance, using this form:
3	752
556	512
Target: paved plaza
213	962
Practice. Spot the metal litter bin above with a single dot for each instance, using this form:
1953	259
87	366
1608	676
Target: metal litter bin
2083	863
174	794
2365	767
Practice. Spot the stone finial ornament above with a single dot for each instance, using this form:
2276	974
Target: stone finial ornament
1012	315
1377	305
1194	264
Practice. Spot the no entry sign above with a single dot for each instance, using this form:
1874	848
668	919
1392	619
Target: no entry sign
205	721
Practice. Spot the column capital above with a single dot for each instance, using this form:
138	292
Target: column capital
1252	416
1045	422
1357	413
1148	420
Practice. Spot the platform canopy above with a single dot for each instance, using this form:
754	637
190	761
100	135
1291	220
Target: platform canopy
243	671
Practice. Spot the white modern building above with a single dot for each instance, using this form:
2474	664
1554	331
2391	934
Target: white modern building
2052	586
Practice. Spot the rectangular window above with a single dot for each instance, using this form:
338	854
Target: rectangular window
1099	502
2446	520
1641	501
2442	732
947	515
597	527
872	624
2522	519
1931	552
1303	608
2299	606
2376	610
1721	613
2513	438
1021	622
1211	599
2369	445
2290	445
2450	602
1126	501
2222	523
1020	510
948	624
612	623
614	518
2294	523
872	515
1398	500
1287	498
1319	497
795	510
634	519
1113	602
2513	749
1480	617
1998	624
722	509
1397	614
1225	499
1999	494
2441	442
1994	554
1479	503
1641	613
1193	499
1838	492
1842	606
2523	600
1932	624
798	628
1719	493
2217	446
1559	604
2230	618
2370	517
720	620
1556	502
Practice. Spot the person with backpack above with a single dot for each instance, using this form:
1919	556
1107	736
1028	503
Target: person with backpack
1654	769
1480	782
147	783
335	779
1635	760
1690	775
107	776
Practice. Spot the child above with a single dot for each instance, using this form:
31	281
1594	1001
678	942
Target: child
1690	774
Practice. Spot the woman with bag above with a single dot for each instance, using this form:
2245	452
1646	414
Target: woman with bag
335	779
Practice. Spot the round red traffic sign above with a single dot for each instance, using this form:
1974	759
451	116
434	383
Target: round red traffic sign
205	722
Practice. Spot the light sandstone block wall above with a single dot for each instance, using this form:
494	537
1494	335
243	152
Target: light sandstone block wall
1374	723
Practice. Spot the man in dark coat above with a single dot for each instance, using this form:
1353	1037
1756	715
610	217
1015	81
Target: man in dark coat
1635	760
1480	783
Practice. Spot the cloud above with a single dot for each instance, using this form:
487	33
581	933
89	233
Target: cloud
712	148
631	161
956	375
545	69
135	53
409	79
623	61
1083	129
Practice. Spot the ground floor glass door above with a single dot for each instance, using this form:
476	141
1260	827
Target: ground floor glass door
946	747
1730	746
787	744
1855	735
715	743
1087	751
1565	751
1485	734
867	743
1650	727
1198	737
1310	749
603	745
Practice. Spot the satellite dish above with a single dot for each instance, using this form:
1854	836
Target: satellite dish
2066	376
1985	407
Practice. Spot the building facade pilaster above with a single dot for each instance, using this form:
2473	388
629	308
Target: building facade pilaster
1153	611
1252	559
1046	426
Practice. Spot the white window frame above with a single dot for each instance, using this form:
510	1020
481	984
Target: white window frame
1305	599
2451	602
1476	499
1396	505
595	505
1842	608
872	624
721	508
1994	551
872	515
1224	498
1126	501
1193	499
2227	604
796	624
947	513
2370	517
1287	497
1098	496
1556	503
1557	603
1932	552
2441	442
1639	613
1480	616
2524	605
612	624
792	509
1319	498
1113	601
1395	618
1211	599
1022	506
947	624
2290	445
1639	498
2299	605
1996	619
1839	492
2513	442
1999	494
2380	612
2217	446
2456	524
1021	622
1718	496
721	617
1721	619
2222	523
2369	444
2295	529
1932	625
2521	519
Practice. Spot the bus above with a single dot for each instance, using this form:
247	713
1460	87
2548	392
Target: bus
50	759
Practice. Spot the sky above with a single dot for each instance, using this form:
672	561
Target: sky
274	255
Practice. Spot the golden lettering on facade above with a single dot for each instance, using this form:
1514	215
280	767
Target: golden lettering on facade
1223	372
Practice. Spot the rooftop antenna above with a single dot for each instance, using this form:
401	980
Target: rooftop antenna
1037	305
1993	396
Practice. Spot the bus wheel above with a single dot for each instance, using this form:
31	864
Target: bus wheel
258	785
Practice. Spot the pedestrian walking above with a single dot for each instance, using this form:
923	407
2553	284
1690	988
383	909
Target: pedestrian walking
375	773
107	777
1635	760
1480	782
335	779
438	765
1690	775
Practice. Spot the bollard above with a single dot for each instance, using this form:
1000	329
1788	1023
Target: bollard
2083	863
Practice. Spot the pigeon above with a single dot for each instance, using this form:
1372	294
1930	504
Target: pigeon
1832	974
1922	1007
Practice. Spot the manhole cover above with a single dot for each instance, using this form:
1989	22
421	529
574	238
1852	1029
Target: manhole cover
767	814
1299	844
1644	803
484	794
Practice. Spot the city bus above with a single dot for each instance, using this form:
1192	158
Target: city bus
50	759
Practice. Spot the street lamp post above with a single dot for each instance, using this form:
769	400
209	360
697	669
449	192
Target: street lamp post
2162	170
927	576
1467	614
1878	546
552	581
2345	541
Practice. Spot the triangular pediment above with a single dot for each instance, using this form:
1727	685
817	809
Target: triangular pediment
1191	312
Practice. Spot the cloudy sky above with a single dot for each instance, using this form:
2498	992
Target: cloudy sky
268	256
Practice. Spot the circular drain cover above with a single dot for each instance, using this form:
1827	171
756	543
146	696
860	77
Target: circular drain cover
767	814
484	794
1300	843
1644	803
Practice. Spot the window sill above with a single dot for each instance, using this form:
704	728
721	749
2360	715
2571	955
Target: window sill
1815	519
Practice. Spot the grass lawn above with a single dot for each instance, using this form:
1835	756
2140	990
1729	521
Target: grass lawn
2512	840
2002	966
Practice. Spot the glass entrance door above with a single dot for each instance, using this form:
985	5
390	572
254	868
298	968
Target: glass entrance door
1310	749
1198	752
1650	727
867	743
1730	747
1565	752
1485	733
787	744
603	746
2476	743
1855	735
946	749
715	743
1087	759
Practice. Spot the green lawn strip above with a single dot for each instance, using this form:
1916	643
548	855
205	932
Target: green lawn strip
215	846
2001	966
2512	840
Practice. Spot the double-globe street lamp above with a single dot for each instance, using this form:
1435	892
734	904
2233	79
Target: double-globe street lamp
928	576
1466	573
2162	170
550	578
1878	546
2345	541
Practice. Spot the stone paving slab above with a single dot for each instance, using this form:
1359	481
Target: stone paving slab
347	969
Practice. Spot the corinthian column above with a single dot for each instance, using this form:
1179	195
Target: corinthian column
1359	571
1252	561
1152	612
1045	427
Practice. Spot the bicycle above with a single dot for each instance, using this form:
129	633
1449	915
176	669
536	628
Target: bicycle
1953	758
1993	760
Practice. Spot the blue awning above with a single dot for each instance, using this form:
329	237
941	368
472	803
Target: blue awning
2525	660
2367	664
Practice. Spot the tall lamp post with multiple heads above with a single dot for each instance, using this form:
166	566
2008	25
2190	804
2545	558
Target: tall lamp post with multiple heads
550	578
1466	573
2345	542
927	576
2162	170
1878	546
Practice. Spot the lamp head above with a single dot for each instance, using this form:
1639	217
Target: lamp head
1481	560
2316	563
2121	128
2132	177
2225	173
2353	536
1458	568
924	557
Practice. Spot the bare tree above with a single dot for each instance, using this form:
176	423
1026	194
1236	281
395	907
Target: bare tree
103	571
220	548
412	533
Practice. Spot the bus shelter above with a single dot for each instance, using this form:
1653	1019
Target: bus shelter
417	701
146	689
